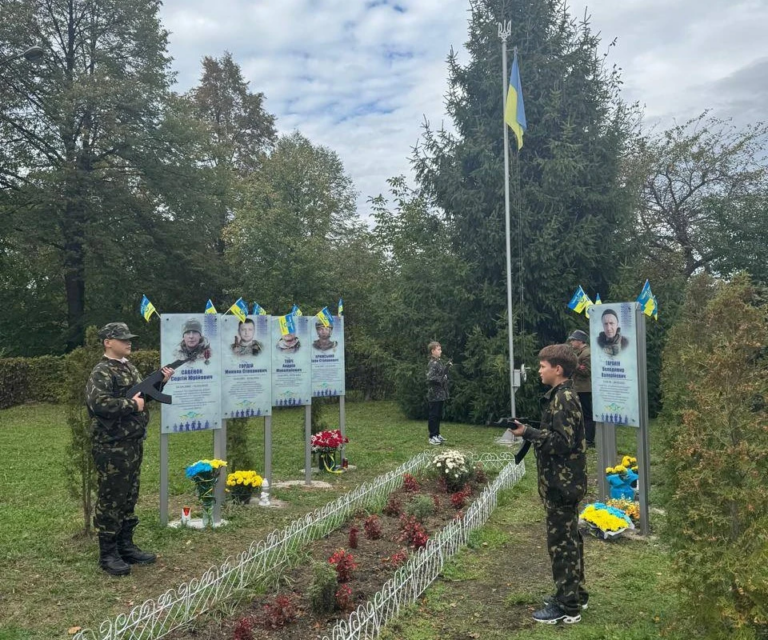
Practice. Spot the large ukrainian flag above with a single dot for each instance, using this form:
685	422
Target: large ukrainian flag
514	112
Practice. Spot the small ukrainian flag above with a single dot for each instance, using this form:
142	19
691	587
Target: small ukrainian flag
580	302
240	310
286	324
258	310
325	317
648	302
209	308
341	307
296	311
147	308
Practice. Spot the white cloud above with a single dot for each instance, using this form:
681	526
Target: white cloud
360	76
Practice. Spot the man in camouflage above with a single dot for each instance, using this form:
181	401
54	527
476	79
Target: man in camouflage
582	380
562	470
118	428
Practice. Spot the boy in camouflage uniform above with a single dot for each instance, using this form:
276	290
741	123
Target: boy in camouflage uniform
562	468
118	427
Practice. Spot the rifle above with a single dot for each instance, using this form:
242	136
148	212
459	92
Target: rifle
147	387
509	423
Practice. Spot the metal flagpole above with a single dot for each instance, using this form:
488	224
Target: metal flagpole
505	30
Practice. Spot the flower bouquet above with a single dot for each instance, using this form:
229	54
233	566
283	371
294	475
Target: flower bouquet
242	484
452	465
327	445
627	506
604	521
205	475
623	479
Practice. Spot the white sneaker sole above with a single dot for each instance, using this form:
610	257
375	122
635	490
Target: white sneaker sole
564	619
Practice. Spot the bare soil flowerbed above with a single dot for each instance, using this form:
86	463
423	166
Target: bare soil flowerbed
383	543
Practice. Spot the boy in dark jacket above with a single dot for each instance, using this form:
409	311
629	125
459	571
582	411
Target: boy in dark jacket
437	391
562	468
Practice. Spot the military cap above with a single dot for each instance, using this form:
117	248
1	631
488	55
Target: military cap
193	325
579	335
115	331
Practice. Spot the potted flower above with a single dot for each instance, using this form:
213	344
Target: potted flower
327	445
242	484
205	475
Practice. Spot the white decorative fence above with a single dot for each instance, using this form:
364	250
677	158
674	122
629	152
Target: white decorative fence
413	578
157	617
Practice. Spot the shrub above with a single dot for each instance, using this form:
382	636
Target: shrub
393	508
322	589
372	527
412	532
344	600
715	381
410	485
344	563
243	629
278	613
421	507
396	559
459	499
353	537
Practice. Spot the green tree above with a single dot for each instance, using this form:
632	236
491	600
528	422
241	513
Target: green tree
297	220
97	160
242	132
573	210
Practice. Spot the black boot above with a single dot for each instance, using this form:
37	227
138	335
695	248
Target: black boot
109	558
129	551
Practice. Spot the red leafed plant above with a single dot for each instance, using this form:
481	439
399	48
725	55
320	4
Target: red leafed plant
244	629
413	533
344	598
372	527
328	440
409	483
436	500
396	559
394	507
278	613
459	499
344	563
353	537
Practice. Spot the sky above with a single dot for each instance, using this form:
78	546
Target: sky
362	76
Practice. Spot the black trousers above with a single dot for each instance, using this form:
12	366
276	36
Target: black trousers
585	397
435	414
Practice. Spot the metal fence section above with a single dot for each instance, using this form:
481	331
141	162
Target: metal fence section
413	578
157	617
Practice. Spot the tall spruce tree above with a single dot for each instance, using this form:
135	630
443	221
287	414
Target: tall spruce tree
568	221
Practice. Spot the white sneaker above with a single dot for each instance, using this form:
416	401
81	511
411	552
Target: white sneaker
441	439
434	440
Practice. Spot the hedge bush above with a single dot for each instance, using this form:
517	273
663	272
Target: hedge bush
42	379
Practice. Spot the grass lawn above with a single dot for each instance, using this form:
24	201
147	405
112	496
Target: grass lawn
51	581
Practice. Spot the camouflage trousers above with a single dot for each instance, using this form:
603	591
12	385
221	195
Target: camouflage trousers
118	467
566	552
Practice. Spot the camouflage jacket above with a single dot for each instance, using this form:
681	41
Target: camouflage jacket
437	380
561	452
114	417
582	377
